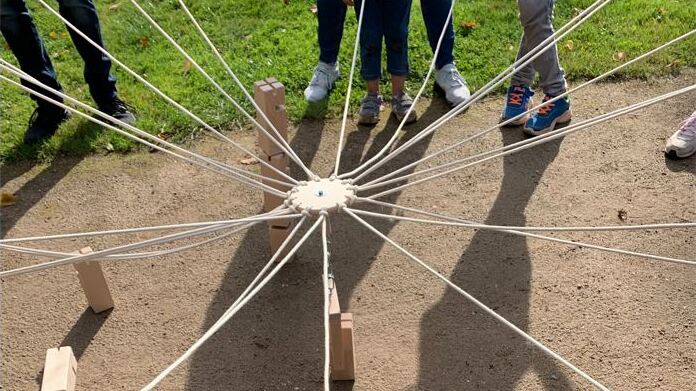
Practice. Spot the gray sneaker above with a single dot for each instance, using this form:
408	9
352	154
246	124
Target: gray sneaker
400	106
369	109
323	79
452	85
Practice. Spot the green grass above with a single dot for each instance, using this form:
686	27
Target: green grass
278	38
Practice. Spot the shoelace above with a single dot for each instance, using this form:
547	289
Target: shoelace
122	106
455	78
687	129
403	102
319	72
515	98
547	107
372	102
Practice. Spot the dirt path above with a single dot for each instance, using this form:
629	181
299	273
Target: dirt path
629	322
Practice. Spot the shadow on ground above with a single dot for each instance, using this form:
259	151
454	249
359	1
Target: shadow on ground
273	342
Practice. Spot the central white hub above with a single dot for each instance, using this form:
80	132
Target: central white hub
327	194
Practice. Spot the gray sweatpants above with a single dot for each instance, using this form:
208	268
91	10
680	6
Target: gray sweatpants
536	17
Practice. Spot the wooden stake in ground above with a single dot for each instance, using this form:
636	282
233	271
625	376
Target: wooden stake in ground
269	94
341	339
94	284
60	370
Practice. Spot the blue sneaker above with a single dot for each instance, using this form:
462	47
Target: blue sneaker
517	101
549	116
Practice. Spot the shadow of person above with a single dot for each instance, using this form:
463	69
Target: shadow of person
275	342
33	191
462	348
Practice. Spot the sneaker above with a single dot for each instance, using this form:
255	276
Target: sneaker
548	117
682	144
400	106
451	84
517	101
44	123
325	75
119	110
369	109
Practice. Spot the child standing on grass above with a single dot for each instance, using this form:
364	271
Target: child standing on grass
384	20
536	18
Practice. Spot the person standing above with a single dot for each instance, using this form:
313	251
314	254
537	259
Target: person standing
20	32
536	17
331	17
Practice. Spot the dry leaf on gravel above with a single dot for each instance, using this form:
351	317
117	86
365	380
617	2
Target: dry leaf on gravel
247	161
7	199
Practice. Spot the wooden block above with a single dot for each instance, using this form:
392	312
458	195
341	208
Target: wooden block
270	97
270	201
94	284
277	234
60	370
347	370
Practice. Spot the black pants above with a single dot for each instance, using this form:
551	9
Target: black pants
20	32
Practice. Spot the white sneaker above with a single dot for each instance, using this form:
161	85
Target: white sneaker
682	144
325	75
452	85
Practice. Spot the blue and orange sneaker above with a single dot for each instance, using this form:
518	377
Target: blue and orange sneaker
549	116
517	101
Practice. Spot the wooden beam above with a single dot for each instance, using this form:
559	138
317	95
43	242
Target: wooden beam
341	339
94	284
60	370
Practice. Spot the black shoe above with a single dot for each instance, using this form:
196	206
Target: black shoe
119	110
44	123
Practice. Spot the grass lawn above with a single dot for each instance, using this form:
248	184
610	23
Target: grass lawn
278	38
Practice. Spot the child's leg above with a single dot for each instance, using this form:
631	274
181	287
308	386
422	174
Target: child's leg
396	14
524	76
536	17
371	34
331	15
435	14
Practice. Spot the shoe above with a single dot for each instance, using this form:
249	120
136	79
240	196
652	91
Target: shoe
44	123
369	109
682	144
119	110
451	84
325	75
548	117
400	106
517	101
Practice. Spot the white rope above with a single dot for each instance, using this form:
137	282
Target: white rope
228	173
163	95
415	100
233	171
235	78
123	248
536	236
126	230
341	135
637	227
533	109
327	301
232	311
493	84
482	306
276	139
526	144
130	256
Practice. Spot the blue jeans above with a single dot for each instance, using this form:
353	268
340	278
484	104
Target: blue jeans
384	20
21	35
332	15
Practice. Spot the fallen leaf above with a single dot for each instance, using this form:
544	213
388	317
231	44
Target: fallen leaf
162	135
187	65
144	42
469	25
64	34
109	147
619	56
313	9
114	7
569	44
7	199
674	64
53	35
249	160
623	215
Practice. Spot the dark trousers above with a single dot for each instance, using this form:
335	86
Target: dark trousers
332	14
384	20
21	35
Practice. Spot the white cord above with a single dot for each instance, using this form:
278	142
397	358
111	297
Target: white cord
482	306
